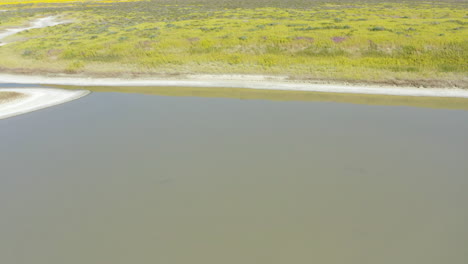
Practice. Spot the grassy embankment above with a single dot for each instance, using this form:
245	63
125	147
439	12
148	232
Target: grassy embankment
405	43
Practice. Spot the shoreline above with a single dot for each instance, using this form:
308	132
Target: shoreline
260	82
403	87
34	99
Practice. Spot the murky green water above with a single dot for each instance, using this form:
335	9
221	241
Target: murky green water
130	178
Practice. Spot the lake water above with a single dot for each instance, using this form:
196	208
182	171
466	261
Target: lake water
132	178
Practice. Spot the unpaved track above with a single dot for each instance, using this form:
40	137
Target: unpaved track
38	23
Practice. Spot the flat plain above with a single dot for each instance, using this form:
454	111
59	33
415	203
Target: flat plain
404	43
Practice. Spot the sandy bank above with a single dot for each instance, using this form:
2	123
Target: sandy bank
236	81
33	99
38	23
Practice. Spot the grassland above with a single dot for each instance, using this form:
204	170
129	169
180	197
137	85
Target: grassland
408	43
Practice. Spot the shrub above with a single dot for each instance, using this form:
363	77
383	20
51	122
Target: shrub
377	29
74	67
267	61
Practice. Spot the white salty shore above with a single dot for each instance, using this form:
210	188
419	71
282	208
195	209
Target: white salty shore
35	99
236	81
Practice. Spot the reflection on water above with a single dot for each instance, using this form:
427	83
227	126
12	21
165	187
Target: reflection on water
279	95
130	178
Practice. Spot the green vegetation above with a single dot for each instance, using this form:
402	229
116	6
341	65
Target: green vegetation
415	43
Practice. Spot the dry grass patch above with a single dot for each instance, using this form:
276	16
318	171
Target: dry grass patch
9	96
